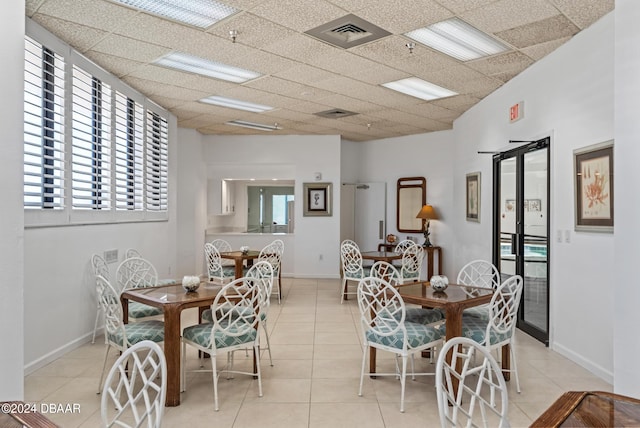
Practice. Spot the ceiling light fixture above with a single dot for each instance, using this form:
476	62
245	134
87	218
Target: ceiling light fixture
419	88
237	104
193	64
458	39
199	13
252	125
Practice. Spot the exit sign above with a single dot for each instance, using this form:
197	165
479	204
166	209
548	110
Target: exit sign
516	112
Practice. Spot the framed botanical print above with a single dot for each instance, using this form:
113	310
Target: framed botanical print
317	199
473	196
593	172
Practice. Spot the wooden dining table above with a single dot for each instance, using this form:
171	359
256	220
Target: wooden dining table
381	256
591	409
17	414
239	258
454	300
172	299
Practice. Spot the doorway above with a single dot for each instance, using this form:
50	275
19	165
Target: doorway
364	208
521	229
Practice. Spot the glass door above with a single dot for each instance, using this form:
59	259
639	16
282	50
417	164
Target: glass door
521	225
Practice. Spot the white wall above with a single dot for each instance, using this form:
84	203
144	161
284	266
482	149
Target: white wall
11	216
427	155
568	95
623	285
302	156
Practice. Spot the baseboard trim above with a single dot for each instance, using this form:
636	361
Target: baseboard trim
59	352
597	370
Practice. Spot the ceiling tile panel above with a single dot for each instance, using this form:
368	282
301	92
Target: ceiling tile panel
31	6
129	48
288	88
556	27
81	36
299	15
506	14
511	61
459	6
116	65
401	16
99	14
584	12
252	30
541	50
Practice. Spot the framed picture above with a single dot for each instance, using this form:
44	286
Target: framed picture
473	197
593	171
317	199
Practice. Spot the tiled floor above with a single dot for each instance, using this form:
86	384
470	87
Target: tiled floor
314	381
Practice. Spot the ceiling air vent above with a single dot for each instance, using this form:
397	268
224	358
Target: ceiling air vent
335	113
348	31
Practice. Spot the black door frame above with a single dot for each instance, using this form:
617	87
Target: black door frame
518	153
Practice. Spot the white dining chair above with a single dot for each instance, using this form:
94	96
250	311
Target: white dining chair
100	268
470	388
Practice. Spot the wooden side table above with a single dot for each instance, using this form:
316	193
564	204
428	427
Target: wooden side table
430	251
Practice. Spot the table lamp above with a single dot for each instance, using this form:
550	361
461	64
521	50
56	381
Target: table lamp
427	213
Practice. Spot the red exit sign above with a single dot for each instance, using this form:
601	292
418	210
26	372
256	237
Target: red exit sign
516	112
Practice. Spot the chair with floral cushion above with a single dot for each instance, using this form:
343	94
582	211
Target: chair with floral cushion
482	274
136	386
100	268
117	334
351	267
412	258
216	271
499	329
385	327
272	253
262	271
137	272
235	313
467	386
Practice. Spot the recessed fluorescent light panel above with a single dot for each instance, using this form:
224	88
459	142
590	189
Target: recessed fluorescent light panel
199	13
458	39
237	104
193	64
419	88
252	125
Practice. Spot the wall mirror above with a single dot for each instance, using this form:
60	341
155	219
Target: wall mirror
411	196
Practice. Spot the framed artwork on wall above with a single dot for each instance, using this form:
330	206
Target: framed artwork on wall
473	196
593	172
317	199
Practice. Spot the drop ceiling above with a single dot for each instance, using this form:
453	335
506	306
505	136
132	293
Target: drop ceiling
303	76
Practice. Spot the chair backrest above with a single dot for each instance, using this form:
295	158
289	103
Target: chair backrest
350	241
263	272
503	309
479	273
386	271
382	309
351	259
136	272
223	247
100	266
481	399
214	264
135	389
412	258
272	253
110	302
132	252
235	310
403	245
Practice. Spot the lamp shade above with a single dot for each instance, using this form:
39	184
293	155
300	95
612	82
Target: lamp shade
427	212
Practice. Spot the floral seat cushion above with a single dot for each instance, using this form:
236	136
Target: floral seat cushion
417	335
476	329
138	331
201	335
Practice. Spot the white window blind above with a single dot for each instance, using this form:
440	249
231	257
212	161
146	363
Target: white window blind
44	147
157	143
129	173
91	142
